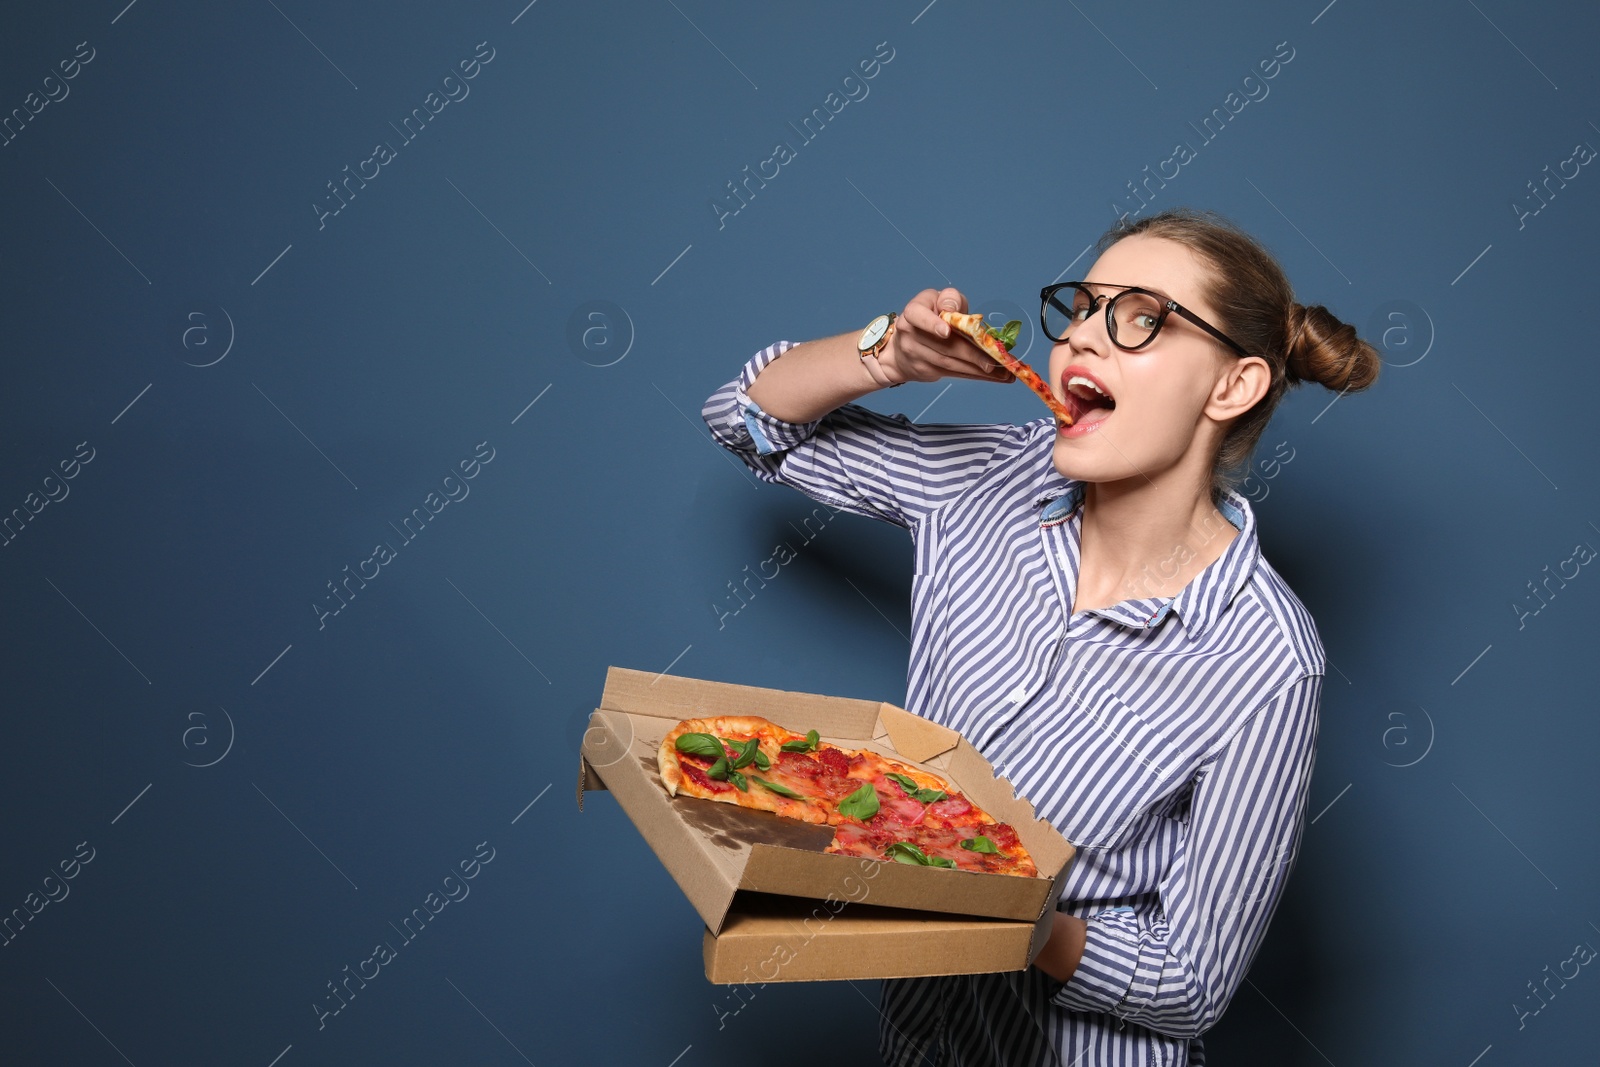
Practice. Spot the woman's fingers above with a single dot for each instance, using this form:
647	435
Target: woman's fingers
924	347
952	300
946	359
920	315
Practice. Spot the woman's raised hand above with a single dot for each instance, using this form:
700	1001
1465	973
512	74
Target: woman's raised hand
925	348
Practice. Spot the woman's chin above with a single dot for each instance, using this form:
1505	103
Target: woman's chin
1070	463
1086	460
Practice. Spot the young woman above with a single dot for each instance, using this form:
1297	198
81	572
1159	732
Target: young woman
1092	611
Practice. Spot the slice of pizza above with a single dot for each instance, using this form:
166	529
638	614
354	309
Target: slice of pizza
739	759
879	807
996	344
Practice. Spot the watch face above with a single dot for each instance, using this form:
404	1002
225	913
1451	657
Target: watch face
873	333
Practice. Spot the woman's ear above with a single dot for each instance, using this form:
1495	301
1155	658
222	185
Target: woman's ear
1238	388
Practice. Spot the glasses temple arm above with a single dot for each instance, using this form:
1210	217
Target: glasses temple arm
1207	327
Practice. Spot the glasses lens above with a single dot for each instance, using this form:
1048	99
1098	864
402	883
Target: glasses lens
1134	317
1064	309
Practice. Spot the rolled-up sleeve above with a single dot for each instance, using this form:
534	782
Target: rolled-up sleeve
881	466
1173	961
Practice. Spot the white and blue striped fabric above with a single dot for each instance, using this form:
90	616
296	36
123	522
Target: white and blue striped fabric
1171	739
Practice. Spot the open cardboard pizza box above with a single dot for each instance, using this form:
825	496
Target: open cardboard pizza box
777	908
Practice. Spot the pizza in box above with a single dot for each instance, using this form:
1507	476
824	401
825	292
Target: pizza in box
878	807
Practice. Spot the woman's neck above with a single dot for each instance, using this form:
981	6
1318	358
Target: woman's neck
1145	540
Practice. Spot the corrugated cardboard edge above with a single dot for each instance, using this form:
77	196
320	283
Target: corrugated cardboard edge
588	780
1047	920
994	793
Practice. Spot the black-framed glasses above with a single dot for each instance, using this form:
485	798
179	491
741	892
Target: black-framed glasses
1133	317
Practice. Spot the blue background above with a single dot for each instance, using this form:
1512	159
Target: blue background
264	394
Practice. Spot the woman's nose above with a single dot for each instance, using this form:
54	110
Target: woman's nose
1089	336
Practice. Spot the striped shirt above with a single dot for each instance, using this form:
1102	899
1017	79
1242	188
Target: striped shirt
1170	739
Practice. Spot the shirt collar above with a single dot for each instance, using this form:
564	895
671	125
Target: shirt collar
1206	596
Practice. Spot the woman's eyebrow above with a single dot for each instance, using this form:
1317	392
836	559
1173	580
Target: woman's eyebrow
1147	288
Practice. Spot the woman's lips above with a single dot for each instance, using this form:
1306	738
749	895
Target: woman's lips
1089	404
1089	422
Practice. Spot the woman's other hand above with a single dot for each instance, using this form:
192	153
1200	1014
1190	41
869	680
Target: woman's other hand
1063	948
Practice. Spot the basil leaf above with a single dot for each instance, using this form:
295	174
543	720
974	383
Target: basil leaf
719	769
862	804
762	761
906	852
810	743
744	752
781	790
1007	334
914	791
904	782
979	844
738	779
699	745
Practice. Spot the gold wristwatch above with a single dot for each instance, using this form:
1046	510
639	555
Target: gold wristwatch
873	340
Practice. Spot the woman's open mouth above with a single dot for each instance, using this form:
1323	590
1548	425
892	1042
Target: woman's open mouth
1089	401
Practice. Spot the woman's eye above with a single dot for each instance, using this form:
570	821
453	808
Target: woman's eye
1145	321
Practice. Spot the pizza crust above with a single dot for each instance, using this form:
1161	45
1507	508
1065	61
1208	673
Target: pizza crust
718	726
971	325
671	775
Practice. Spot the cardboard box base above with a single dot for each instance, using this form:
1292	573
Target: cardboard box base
770	938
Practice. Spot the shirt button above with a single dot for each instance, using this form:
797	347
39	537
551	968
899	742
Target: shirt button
1019	694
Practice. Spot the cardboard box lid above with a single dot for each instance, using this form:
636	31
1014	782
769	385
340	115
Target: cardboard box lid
715	851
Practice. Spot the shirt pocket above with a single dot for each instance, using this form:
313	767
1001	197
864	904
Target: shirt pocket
1108	767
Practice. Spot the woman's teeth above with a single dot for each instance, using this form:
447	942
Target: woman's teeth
1078	379
1085	398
